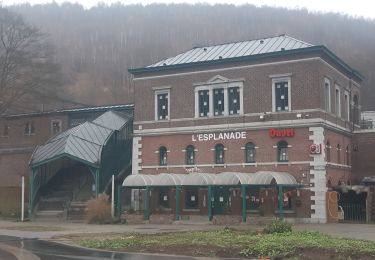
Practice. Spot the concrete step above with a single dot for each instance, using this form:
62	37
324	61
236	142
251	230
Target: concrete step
49	214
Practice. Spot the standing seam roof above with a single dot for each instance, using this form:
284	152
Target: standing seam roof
233	50
84	141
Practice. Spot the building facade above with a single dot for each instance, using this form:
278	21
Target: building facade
269	105
21	134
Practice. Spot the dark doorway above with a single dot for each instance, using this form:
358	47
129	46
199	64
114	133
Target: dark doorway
221	203
353	205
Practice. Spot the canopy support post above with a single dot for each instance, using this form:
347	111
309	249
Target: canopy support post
119	202
280	200
31	192
178	191
209	202
243	191
146	214
97	182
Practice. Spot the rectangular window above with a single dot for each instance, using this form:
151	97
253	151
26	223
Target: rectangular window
281	92
327	95
347	105
337	102
218	98
29	129
55	126
218	101
234	100
204	103
162	106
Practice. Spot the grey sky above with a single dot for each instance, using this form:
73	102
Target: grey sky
363	8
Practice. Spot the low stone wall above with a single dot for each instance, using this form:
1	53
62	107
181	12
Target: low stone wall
133	218
161	218
226	220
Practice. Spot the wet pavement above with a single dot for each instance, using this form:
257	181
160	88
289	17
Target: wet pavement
14	248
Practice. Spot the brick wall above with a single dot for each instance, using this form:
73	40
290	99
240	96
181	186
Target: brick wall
363	155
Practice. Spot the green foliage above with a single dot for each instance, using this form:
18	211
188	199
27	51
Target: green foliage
247	244
278	226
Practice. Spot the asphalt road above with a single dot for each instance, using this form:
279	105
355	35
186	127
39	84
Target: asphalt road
15	248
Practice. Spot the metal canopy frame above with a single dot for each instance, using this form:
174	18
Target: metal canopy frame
96	144
225	179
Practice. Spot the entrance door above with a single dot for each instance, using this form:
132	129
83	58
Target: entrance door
221	203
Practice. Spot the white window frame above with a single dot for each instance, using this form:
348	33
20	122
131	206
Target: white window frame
347	105
211	88
337	101
278	80
327	82
60	124
158	91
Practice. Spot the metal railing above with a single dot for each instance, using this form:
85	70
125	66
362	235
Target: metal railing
354	212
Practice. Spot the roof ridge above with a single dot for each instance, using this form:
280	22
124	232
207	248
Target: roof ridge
234	42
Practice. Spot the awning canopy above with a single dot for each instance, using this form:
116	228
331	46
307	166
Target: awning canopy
198	179
137	180
206	179
83	142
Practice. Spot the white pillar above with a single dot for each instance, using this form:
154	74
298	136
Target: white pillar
23	199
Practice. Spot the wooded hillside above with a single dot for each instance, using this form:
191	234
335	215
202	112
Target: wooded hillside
96	47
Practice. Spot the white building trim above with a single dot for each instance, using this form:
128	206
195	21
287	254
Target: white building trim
318	179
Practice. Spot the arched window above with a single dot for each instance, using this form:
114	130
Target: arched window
250	153
219	154
282	151
347	152
328	151
190	155
338	153
163	156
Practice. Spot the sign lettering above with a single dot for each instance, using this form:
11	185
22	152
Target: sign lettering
281	132
218	136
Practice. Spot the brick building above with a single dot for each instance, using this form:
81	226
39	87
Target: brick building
274	106
21	133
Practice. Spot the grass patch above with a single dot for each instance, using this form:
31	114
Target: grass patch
239	243
36	228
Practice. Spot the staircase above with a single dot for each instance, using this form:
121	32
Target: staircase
65	196
76	211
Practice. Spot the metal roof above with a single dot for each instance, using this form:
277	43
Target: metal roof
234	50
205	179
113	120
72	110
253	50
83	142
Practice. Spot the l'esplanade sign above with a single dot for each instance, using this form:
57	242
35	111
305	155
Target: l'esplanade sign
218	136
239	135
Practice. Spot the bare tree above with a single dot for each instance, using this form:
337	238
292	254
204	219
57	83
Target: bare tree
26	66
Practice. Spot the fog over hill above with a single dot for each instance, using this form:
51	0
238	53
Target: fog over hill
95	47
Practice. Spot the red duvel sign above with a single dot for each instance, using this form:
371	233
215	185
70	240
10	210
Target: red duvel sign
281	132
